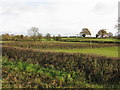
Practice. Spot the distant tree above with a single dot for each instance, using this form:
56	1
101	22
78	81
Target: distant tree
102	33
54	37
57	38
21	36
84	32
48	36
6	37
26	38
33	32
0	37
39	36
84	35
110	34
17	37
12	37
97	35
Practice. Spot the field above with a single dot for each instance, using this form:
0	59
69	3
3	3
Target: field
57	64
109	51
98	40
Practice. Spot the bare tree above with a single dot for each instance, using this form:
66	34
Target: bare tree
33	32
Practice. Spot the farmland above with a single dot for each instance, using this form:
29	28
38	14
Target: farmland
109	51
64	44
100	39
94	40
55	64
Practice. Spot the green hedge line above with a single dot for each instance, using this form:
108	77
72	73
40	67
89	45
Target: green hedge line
91	41
99	69
51	45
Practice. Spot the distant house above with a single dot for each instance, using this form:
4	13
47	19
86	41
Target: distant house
88	36
64	36
74	36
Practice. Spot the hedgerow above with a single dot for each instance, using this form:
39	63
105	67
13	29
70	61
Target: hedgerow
98	69
91	41
50	45
18	74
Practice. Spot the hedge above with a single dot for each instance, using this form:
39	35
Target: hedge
51	45
99	69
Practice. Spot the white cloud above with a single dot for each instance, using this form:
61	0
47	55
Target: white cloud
57	16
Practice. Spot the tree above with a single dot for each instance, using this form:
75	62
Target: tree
102	33
17	37
21	36
82	34
85	31
110	34
48	36
6	37
57	38
54	37
33	32
97	35
39	36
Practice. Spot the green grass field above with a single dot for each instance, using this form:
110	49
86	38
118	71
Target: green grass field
6	41
109	51
100	39
84	39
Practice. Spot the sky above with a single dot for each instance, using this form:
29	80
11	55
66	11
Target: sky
65	17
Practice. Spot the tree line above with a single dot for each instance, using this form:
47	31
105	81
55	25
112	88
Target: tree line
34	34
101	33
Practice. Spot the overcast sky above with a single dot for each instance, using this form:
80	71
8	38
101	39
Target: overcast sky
65	17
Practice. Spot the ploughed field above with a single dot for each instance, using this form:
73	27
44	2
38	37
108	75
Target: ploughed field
42	64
